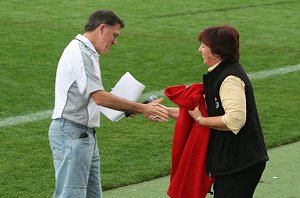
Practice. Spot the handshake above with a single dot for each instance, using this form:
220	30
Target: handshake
153	110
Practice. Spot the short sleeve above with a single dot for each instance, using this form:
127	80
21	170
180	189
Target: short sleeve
94	81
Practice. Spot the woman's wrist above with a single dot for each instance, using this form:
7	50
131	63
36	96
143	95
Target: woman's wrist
198	120
173	112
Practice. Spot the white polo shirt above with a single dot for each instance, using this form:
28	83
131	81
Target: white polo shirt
78	75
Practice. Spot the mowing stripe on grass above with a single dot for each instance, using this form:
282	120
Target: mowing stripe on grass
12	121
224	9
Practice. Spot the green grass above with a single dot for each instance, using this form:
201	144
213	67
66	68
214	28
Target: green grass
281	166
159	47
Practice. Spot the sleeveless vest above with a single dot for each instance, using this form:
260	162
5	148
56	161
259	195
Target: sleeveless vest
227	152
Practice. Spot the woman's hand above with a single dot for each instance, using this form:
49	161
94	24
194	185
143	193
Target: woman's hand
195	113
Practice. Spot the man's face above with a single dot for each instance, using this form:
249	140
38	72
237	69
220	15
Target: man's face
107	37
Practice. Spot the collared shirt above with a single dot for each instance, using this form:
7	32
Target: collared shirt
233	98
78	75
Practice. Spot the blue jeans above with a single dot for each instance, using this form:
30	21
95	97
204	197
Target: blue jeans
76	160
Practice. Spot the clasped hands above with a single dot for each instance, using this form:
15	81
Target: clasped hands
160	113
156	111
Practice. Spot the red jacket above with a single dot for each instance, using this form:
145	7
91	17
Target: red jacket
188	173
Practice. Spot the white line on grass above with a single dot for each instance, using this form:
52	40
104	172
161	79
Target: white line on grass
273	72
12	121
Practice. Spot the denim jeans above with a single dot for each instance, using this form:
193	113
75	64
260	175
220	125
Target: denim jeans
76	160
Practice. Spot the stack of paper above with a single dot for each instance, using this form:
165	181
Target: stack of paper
127	87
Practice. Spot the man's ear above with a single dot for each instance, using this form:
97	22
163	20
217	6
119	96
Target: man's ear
101	28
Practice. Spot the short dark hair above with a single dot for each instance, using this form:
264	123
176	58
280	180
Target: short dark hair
222	40
102	17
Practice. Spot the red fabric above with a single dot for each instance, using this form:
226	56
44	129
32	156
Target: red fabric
189	146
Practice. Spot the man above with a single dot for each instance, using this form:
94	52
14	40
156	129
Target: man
78	92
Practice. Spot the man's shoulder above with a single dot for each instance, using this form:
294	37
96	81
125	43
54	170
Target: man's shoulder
72	50
71	56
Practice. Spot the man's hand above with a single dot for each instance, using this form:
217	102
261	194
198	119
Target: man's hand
155	112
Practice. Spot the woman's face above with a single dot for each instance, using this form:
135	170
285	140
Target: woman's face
209	58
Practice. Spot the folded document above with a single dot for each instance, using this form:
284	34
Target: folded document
127	87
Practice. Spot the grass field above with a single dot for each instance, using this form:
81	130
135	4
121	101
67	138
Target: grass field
159	47
278	180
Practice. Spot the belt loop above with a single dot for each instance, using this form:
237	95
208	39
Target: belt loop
63	121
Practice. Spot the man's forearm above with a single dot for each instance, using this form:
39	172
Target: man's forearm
111	101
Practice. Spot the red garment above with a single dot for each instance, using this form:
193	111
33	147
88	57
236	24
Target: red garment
188	174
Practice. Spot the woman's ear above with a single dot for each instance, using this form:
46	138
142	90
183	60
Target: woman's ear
216	57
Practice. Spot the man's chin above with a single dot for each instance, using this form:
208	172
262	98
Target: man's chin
104	52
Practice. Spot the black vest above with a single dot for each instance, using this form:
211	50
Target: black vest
229	153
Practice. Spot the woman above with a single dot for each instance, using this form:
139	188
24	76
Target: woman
236	153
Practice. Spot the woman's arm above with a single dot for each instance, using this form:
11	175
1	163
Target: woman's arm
233	99
173	112
210	122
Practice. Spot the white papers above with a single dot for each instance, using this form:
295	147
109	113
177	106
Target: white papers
127	87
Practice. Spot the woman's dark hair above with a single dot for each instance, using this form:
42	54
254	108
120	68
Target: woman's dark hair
223	40
102	17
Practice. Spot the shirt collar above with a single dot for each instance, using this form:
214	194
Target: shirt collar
87	43
214	66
